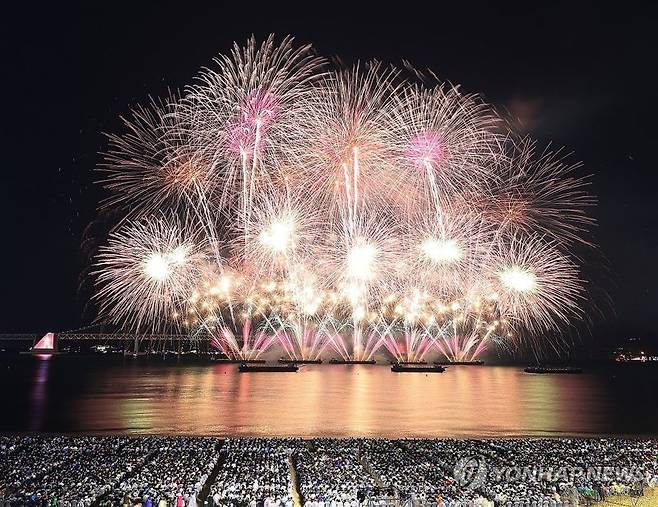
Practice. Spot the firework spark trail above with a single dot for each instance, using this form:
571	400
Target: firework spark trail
245	112
155	166
541	194
347	159
351	210
251	346
446	142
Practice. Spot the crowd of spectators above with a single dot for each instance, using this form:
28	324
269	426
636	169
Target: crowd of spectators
173	474
85	471
330	472
73	470
535	472
158	471
255	471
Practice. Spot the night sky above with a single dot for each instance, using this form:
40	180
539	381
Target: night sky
582	77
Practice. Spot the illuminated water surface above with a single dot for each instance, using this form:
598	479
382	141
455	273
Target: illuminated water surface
74	394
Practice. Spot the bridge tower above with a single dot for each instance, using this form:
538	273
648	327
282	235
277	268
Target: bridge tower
46	345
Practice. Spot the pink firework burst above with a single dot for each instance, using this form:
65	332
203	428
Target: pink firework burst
248	133
426	148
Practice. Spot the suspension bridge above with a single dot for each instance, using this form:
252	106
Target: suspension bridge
52	342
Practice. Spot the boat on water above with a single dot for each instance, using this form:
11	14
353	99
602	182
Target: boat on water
352	361
565	370
254	368
34	352
459	363
402	368
283	360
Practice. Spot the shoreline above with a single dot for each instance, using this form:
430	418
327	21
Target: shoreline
219	436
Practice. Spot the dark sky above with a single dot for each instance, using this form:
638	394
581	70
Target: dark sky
583	77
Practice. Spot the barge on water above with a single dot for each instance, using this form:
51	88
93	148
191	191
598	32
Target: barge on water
283	360
352	361
459	363
566	370
254	368
402	368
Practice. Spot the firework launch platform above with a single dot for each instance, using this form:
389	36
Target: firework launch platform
283	360
401	368
566	370
352	361
270	368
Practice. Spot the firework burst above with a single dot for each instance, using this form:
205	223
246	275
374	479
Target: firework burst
155	166
348	212
245	112
147	270
525	272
